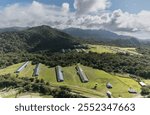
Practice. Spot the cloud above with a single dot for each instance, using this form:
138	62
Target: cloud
36	14
124	21
33	15
116	21
90	6
65	7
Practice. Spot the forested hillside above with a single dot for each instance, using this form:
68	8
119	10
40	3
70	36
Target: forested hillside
42	38
43	44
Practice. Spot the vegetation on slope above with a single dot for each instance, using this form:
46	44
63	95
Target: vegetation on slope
25	84
40	44
43	45
72	80
117	63
42	38
112	49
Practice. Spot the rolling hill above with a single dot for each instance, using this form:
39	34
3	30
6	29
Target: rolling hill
71	79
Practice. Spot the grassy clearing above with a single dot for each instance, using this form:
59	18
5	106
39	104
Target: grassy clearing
147	82
112	49
131	50
95	76
10	69
100	49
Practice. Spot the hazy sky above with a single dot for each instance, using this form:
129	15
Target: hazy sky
129	17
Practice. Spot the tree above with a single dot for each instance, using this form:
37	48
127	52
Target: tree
145	91
44	89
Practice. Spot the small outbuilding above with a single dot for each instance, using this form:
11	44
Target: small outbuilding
109	94
131	90
109	85
142	84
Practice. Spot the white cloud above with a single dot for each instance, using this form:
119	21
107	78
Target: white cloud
36	14
117	21
90	6
33	15
65	7
125	21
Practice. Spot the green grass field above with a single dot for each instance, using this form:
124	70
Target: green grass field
71	79
147	82
111	49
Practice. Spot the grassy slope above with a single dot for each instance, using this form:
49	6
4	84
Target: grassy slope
147	82
111	49
120	84
100	49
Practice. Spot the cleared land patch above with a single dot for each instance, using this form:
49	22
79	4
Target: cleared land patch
112	49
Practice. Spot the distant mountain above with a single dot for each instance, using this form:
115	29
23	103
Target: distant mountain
100	35
103	36
35	39
12	29
128	42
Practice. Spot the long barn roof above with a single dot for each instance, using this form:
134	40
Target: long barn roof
36	70
59	74
22	67
82	74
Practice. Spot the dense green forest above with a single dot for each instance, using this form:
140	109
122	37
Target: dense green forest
36	39
43	44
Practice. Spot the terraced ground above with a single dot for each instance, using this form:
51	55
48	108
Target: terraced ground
72	80
111	49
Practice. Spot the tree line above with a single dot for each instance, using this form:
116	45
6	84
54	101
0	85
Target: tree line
117	63
26	84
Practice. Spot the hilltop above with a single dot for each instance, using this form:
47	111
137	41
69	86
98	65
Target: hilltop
35	39
72	80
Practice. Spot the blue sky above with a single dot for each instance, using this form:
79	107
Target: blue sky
4	3
129	17
131	6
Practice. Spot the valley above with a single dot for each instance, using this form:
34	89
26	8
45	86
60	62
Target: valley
122	67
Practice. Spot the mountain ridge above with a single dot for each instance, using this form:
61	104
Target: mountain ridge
103	36
35	39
